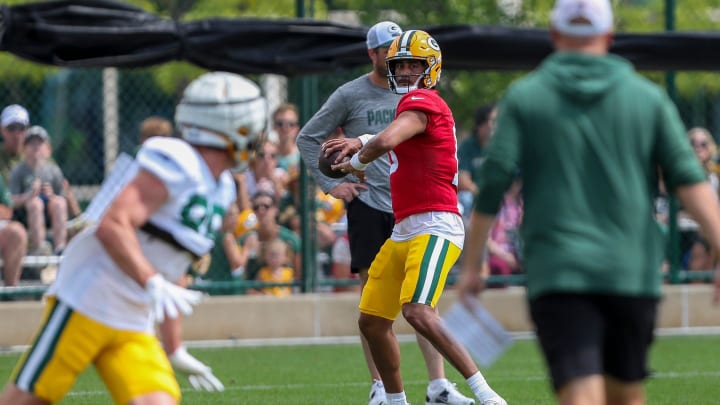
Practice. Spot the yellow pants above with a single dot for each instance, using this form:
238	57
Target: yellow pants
410	271
130	363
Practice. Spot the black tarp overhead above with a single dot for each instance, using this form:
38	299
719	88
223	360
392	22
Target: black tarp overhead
102	33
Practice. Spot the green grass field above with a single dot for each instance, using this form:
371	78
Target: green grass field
685	371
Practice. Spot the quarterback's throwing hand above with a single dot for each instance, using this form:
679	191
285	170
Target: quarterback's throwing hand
170	299
199	374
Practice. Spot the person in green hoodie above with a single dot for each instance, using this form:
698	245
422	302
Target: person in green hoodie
590	137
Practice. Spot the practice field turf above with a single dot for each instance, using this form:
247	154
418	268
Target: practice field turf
685	371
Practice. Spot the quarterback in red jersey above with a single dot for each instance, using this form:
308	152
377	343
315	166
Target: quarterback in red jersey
409	272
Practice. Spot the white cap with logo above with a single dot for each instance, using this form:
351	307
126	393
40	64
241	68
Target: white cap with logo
382	34
14	113
582	18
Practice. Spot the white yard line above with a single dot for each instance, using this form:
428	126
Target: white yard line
336	340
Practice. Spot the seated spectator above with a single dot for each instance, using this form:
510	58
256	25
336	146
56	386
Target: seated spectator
275	269
227	260
36	186
13	240
503	245
14	123
266	211
705	149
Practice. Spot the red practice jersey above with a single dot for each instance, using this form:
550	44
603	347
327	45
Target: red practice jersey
424	168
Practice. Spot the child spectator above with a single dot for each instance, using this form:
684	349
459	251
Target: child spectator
36	185
267	229
275	271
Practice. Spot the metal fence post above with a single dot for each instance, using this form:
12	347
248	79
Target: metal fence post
673	231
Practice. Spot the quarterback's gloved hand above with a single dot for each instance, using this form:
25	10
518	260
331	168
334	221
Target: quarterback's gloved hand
199	375
168	298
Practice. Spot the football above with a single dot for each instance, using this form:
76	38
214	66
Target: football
325	163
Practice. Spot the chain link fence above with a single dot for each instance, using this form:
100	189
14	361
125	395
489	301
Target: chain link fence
93	114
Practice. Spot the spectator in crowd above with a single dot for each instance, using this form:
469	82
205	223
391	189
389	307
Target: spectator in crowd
598	132
287	125
365	106
72	203
153	126
264	173
705	149
503	245
275	269
38	194
701	256
13	240
14	122
227	259
340	263
265	208
408	274
120	277
471	153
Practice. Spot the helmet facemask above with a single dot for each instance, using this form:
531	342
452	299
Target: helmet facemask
397	88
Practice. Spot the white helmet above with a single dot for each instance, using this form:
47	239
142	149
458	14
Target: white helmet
222	110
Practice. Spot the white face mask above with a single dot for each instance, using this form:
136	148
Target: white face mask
398	89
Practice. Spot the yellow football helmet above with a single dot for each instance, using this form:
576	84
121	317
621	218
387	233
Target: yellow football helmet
419	45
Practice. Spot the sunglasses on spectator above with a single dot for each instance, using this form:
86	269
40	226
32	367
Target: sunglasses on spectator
257	206
16	127
701	144
262	155
289	124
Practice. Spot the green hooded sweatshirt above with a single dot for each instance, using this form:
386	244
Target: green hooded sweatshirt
589	136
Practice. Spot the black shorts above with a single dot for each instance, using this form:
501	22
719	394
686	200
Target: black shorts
594	334
368	229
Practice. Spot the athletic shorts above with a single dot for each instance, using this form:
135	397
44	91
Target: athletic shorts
368	229
594	334
414	271
130	363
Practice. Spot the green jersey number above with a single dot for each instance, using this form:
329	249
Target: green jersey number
201	217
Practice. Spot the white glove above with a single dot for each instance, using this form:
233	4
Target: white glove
199	375
168	298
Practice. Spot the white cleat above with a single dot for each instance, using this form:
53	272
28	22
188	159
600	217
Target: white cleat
448	395
493	400
377	394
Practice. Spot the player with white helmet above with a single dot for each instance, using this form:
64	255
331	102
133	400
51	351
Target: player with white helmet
119	277
222	110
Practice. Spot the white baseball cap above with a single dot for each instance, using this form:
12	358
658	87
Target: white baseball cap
582	18
14	113
382	34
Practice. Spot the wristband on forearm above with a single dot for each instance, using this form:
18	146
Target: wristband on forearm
356	163
365	138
